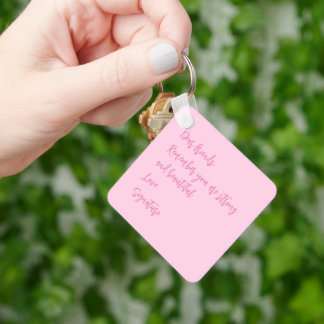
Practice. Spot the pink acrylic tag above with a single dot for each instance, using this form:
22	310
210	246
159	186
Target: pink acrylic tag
191	194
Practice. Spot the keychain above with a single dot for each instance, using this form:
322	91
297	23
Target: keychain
191	193
160	113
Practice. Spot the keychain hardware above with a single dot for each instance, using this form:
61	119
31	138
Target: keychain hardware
160	113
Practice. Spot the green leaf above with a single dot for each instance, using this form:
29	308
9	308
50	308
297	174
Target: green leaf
145	287
308	302
283	255
155	318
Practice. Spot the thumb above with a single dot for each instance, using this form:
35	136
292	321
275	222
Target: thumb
128	70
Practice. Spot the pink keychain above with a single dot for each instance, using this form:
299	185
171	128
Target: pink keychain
191	193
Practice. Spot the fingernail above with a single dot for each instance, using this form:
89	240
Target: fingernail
164	58
184	64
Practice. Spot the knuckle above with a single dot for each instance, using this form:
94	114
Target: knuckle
148	31
116	76
144	30
123	79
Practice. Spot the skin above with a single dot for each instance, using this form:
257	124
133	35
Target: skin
63	62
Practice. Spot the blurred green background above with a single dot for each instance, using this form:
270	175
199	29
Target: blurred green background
66	257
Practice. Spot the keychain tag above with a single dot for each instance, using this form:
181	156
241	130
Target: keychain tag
191	194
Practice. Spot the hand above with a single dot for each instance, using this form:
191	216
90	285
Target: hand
95	61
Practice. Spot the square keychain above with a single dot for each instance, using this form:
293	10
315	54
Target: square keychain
191	193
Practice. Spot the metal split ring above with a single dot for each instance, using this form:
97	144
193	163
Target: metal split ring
193	76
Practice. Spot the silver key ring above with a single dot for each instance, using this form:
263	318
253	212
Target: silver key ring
193	76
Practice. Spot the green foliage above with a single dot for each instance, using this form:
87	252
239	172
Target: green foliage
67	257
308	301
283	255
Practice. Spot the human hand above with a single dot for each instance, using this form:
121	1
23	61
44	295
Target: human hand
95	61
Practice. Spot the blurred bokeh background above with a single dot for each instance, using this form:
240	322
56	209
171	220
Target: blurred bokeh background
66	257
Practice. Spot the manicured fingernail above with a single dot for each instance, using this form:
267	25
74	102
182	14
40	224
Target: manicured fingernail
164	58
186	51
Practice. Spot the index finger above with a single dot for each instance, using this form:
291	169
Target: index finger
169	16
